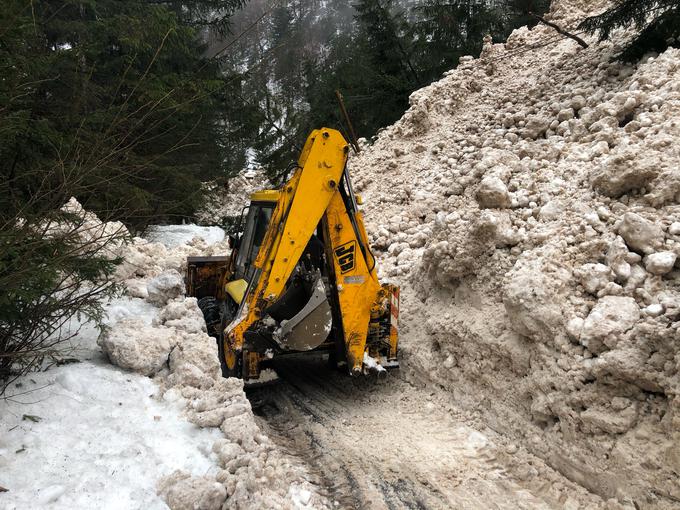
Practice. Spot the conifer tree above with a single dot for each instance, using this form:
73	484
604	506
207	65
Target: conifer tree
658	22
111	102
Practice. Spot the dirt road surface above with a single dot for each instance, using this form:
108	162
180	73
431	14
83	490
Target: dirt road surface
385	444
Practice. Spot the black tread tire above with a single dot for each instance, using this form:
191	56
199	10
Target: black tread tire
210	308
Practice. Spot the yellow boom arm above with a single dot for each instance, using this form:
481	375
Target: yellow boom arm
312	197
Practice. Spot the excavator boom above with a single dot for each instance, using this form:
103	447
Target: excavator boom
313	284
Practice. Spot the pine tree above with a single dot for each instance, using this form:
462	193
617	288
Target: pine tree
113	96
109	101
657	20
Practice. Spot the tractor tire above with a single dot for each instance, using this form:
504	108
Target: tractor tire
210	308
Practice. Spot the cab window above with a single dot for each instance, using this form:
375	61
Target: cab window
257	222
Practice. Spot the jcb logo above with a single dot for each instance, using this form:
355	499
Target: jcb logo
345	256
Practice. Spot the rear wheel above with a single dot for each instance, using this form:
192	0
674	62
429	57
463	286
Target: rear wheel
210	308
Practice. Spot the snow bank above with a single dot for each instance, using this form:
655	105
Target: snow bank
528	204
88	435
106	239
175	349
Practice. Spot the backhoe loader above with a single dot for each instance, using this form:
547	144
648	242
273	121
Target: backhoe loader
301	277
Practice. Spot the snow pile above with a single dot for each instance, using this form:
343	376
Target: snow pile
226	202
178	352
153	269
528	205
89	435
84	229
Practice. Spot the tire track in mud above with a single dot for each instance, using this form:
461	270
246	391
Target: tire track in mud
382	444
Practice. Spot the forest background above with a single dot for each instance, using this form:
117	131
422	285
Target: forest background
131	106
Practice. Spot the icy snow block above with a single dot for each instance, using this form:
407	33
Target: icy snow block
164	287
661	262
133	345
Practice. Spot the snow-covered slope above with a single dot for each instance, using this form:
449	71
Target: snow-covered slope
528	205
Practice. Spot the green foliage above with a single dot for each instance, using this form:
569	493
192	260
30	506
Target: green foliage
658	23
376	52
113	97
52	271
114	103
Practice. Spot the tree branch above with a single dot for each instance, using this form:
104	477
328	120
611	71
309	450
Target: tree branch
560	30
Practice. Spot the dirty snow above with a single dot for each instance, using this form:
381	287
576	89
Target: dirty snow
527	203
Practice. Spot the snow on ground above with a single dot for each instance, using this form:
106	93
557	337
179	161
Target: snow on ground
175	235
93	435
100	439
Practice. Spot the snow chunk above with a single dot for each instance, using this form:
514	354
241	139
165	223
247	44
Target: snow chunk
661	262
620	174
593	277
534	295
640	234
492	194
131	344
182	491
608	320
372	363
617	258
165	287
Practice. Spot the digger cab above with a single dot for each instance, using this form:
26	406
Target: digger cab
219	282
249	234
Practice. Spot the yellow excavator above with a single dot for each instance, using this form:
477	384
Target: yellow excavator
301	277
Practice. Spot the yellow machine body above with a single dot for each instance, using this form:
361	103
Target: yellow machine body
315	246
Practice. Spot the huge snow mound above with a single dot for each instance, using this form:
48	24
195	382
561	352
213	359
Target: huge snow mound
528	204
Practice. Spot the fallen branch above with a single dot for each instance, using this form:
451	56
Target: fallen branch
560	30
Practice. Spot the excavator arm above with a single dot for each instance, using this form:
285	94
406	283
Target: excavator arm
339	284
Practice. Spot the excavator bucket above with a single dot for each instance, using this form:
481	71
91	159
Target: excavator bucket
310	327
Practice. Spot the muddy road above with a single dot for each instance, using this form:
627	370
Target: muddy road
384	444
